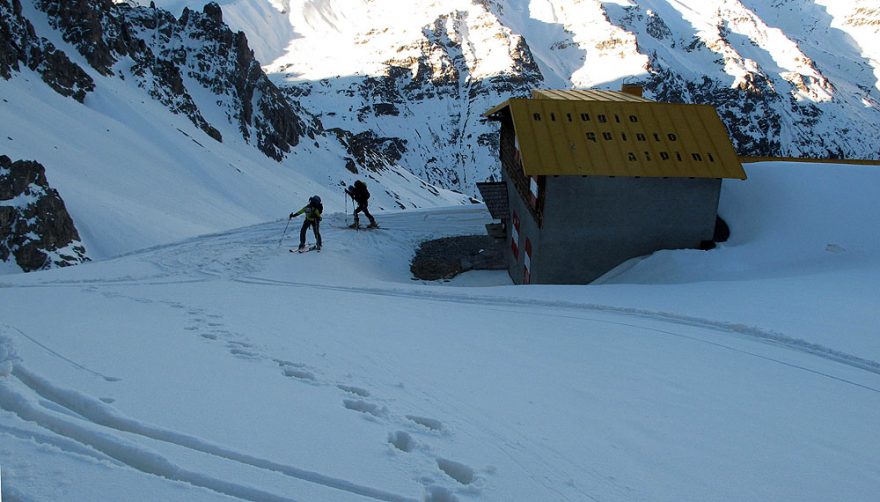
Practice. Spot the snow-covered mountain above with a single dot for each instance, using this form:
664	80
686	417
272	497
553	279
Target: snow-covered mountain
790	78
123	102
128	106
218	366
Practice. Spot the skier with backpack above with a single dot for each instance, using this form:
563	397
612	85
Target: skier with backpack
359	193
312	219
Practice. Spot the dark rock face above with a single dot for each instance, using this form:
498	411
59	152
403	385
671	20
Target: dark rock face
447	257
35	227
82	23
370	151
225	64
434	91
19	45
166	54
763	108
750	114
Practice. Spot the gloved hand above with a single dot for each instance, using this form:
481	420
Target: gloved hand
291	216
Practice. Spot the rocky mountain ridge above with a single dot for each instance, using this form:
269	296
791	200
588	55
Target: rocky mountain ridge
789	78
163	52
20	46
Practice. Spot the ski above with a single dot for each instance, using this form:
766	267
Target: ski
306	249
362	228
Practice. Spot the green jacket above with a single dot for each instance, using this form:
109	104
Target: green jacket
312	213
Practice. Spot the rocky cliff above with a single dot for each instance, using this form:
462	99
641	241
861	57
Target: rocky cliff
21	47
36	231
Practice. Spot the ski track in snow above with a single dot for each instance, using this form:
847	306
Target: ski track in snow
100	424
236	256
179	260
357	399
75	406
769	337
58	405
56	354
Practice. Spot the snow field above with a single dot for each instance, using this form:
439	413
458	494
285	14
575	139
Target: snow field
225	366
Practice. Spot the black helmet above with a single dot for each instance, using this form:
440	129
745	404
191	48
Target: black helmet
314	200
359	183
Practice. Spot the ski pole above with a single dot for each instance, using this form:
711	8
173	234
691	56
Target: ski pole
284	233
345	199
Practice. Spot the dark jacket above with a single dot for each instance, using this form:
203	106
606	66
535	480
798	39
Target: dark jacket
359	193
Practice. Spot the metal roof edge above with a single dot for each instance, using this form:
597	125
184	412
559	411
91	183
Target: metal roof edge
748	159
495	109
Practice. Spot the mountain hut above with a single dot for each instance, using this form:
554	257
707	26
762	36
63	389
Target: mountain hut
592	178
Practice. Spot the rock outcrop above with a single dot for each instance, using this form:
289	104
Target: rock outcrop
445	258
36	230
21	47
167	57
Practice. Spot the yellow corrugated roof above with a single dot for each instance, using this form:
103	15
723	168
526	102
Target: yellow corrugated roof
575	95
620	137
587	95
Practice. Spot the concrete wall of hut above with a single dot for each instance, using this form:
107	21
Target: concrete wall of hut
591	224
528	229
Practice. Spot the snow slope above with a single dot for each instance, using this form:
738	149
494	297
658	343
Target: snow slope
134	175
224	367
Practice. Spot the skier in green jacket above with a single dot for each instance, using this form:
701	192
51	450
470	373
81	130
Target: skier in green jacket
313	219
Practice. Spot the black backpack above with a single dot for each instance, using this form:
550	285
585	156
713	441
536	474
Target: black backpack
315	202
359	191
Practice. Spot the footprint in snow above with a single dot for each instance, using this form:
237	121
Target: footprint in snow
439	494
357	391
402	441
296	370
364	407
298	373
429	423
457	471
245	354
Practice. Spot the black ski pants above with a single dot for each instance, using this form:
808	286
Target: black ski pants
316	228
363	207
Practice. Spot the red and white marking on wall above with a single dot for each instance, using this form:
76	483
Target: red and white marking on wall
527	263
514	236
533	191
516	154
